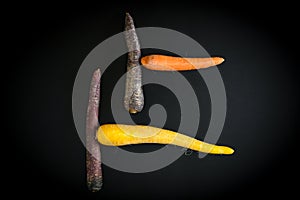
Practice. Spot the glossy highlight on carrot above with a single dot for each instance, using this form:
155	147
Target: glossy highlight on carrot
119	135
171	63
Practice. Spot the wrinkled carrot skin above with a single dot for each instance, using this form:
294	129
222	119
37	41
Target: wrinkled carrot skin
93	154
119	135
170	63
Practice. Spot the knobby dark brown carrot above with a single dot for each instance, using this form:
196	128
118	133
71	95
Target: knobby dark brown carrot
170	63
134	97
93	155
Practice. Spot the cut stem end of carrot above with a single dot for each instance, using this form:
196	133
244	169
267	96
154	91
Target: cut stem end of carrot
132	111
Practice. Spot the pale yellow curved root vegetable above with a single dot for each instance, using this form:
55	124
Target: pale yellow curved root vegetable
119	135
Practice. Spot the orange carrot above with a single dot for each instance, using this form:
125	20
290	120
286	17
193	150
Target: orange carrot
170	63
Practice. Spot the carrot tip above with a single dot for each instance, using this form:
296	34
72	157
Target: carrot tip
228	150
218	60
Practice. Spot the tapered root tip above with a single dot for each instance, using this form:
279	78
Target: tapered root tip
128	16
226	150
218	60
97	74
95	185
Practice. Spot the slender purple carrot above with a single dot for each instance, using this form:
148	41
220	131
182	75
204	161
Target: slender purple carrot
93	155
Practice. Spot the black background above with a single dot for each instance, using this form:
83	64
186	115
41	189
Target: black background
260	76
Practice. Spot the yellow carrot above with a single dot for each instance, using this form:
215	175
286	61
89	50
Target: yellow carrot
119	135
170	63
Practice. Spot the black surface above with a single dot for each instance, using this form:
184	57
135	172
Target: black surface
260	75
